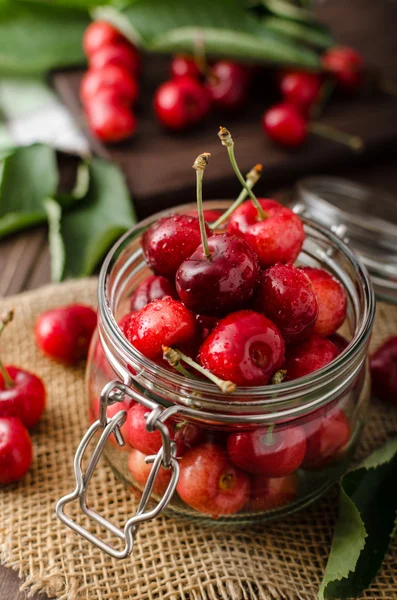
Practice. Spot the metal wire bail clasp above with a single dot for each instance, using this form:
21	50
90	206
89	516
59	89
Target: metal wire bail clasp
115	391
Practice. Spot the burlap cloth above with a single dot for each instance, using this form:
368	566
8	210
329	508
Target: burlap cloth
171	559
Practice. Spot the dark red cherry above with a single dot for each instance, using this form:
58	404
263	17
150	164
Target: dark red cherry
228	85
182	65
326	439
206	324
346	65
287	297
181	103
285	125
152	288
245	347
278	238
221	283
162	322
263	451
268	493
309	356
384	371
300	88
170	241
332	301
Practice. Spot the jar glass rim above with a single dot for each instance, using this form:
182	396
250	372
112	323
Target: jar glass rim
259	396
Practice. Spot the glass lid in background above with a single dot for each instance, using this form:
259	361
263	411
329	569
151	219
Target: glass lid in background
363	216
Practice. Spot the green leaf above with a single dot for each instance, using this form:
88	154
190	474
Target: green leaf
80	189
320	38
287	10
29	176
366	523
88	231
37	37
225	28
57	248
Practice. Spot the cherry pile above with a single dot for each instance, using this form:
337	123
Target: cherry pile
226	303
109	89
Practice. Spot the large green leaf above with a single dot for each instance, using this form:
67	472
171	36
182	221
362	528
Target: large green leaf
29	176
84	235
37	37
224	27
365	526
300	32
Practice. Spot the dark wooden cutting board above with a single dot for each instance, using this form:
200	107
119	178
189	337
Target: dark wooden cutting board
158	164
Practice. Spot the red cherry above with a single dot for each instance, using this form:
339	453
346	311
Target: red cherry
109	121
97	35
309	356
346	65
332	301
285	125
152	288
170	241
229	85
116	80
184	65
300	89
268	493
245	347
384	371
210	215
140	470
265	452
186	436
287	297
221	283
15	450
25	399
121	53
210	483
206	324
279	238
65	333
181	103
326	439
136	433
162	322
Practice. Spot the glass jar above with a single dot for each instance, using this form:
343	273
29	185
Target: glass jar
307	428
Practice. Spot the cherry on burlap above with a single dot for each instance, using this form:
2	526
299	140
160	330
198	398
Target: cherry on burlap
284	560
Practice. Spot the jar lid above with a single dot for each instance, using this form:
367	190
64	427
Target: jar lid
364	217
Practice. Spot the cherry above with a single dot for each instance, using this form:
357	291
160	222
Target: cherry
210	483
309	356
15	450
186	436
206	324
285	125
228	85
301	89
136	433
153	287
326	439
97	35
162	322
23	395
181	103
221	282
269	452
121	53
245	347
115	79
332	301
268	493
277	238
210	215
182	65
384	371
65	333
110	121
346	65
169	241
287	297
140	470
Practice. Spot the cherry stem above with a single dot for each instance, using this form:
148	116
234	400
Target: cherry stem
278	377
174	357
4	320
200	57
326	90
252	177
352	141
227	140
199	165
